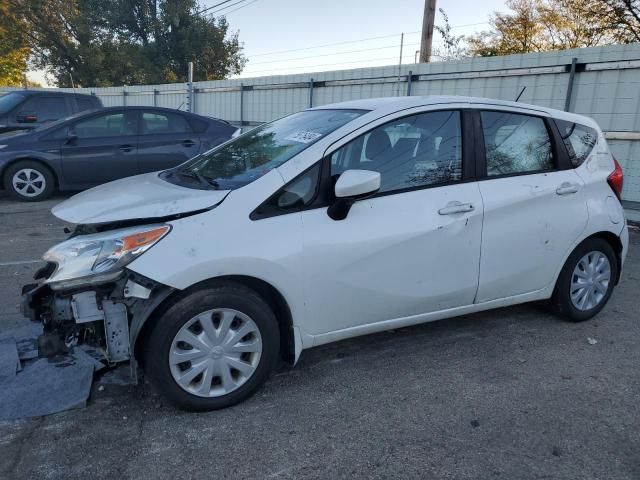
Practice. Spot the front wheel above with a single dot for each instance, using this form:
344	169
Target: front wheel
212	348
29	181
586	281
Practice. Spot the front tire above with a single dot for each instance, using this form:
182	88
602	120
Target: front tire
212	348
586	281
29	181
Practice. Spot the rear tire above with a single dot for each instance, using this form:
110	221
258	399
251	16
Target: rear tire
586	281
29	181
198	355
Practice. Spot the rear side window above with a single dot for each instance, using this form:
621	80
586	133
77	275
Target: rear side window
46	109
164	123
579	140
85	104
108	125
515	143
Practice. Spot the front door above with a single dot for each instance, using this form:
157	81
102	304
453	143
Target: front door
166	140
534	210
100	149
414	247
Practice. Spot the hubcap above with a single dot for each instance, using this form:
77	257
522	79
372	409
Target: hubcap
590	280
29	182
215	352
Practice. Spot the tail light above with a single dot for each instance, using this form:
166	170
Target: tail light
616	179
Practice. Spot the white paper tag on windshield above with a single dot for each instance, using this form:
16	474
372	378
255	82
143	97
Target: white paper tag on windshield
303	136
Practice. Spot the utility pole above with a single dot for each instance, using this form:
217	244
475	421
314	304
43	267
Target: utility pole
427	30
400	62
190	87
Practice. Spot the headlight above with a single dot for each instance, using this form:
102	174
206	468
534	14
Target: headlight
100	257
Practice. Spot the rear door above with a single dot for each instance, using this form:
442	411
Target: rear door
166	139
100	148
534	204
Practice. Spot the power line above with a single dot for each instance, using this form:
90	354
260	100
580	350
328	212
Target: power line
229	6
330	54
212	6
331	64
331	44
241	6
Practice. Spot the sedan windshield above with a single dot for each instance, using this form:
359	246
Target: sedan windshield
245	159
8	101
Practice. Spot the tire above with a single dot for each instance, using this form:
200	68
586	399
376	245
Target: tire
38	182
231	309
593	251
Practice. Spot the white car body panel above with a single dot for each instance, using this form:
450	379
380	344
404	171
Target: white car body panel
140	196
394	261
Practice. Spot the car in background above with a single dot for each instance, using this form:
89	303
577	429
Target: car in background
88	149
28	109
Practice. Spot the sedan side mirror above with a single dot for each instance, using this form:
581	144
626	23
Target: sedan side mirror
353	185
71	138
26	117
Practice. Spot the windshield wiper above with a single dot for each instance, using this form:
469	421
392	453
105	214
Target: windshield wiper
204	181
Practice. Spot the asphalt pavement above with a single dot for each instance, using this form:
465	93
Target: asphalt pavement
514	393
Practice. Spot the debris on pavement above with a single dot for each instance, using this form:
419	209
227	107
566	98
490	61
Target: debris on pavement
592	341
42	385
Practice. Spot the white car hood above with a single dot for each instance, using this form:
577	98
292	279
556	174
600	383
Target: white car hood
141	196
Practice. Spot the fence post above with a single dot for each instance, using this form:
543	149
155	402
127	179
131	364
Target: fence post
241	105
190	87
311	93
155	97
409	80
572	76
124	98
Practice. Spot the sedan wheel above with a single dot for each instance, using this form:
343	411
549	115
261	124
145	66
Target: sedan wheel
215	352
590	280
29	182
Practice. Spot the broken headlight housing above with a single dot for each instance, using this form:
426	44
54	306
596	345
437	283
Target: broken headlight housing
100	257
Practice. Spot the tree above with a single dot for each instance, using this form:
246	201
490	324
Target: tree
543	25
14	50
115	42
454	48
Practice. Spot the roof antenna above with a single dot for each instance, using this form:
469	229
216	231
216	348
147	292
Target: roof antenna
521	92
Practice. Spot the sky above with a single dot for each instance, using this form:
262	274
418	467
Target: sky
305	36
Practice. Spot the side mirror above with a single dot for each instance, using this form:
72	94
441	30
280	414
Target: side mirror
71	138
26	117
353	185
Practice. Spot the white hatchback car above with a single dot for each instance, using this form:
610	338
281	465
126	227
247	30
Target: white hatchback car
334	222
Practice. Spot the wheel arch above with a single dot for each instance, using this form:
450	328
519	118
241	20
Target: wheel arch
290	346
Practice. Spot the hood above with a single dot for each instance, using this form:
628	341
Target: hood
139	197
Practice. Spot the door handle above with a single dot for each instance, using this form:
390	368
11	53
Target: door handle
567	188
125	148
188	143
456	207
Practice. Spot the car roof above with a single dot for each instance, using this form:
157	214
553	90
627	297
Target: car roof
389	104
30	93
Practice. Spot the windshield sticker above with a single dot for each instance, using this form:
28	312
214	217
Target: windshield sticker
303	136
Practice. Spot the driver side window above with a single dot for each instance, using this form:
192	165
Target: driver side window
415	151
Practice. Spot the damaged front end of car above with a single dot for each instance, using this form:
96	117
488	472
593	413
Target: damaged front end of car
85	295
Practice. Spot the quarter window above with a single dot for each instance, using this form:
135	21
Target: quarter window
46	109
515	143
579	140
415	151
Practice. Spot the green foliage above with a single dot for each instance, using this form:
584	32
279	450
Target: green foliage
14	51
116	42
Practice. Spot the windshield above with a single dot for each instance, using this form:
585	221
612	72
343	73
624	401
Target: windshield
245	159
8	101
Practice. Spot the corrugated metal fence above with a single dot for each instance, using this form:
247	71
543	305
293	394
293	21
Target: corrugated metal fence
601	82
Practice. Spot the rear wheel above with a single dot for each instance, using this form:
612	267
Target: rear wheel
586	281
213	348
29	181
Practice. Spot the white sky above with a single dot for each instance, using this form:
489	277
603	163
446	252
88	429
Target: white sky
270	26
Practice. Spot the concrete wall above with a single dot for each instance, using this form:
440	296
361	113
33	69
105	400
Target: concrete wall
606	86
